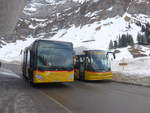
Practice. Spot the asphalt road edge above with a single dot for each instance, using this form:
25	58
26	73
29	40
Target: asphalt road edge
131	80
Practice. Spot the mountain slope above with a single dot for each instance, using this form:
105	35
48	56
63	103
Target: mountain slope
84	22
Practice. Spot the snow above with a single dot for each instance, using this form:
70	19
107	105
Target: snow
53	2
143	18
92	14
124	54
50	1
91	36
102	32
141	1
7	72
143	49
30	8
11	51
31	26
138	17
110	9
135	67
39	20
82	1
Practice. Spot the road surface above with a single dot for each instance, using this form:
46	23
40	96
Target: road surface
17	96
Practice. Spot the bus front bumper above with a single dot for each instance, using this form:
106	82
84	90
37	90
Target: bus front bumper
98	75
53	76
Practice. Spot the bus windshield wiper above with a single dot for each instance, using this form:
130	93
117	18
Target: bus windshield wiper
62	68
100	69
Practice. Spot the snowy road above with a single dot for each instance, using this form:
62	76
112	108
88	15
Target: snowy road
17	96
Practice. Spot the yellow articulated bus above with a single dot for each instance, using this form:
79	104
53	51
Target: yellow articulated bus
48	61
93	65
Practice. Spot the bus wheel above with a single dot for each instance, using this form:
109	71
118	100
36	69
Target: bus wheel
32	84
81	78
24	77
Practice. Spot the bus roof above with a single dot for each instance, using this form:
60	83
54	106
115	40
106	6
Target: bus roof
83	50
40	40
52	42
94	51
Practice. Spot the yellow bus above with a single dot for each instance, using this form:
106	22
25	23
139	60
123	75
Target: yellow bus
93	65
47	61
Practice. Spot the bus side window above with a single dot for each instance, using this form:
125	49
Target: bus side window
28	58
31	58
87	59
81	59
76	62
25	58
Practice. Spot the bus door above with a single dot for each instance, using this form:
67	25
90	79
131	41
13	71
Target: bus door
27	63
81	67
87	63
24	64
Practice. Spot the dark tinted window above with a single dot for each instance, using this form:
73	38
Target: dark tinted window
54	55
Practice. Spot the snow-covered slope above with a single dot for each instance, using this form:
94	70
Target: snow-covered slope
87	23
92	36
82	1
99	32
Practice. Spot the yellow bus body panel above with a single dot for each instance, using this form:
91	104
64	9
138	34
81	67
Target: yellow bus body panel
53	76
98	75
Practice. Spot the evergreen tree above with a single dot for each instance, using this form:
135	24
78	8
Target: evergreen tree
119	42
143	28
139	38
129	26
148	39
111	46
146	30
124	40
144	39
148	25
115	44
138	23
130	40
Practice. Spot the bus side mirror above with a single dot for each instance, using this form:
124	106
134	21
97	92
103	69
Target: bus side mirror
0	64
114	55
74	53
21	52
88	60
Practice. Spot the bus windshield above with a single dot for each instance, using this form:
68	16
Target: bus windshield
54	58
99	62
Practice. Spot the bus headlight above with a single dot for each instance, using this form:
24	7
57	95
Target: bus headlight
39	77
71	76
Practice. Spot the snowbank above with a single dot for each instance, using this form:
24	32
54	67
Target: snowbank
134	71
12	51
133	67
6	72
124	54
